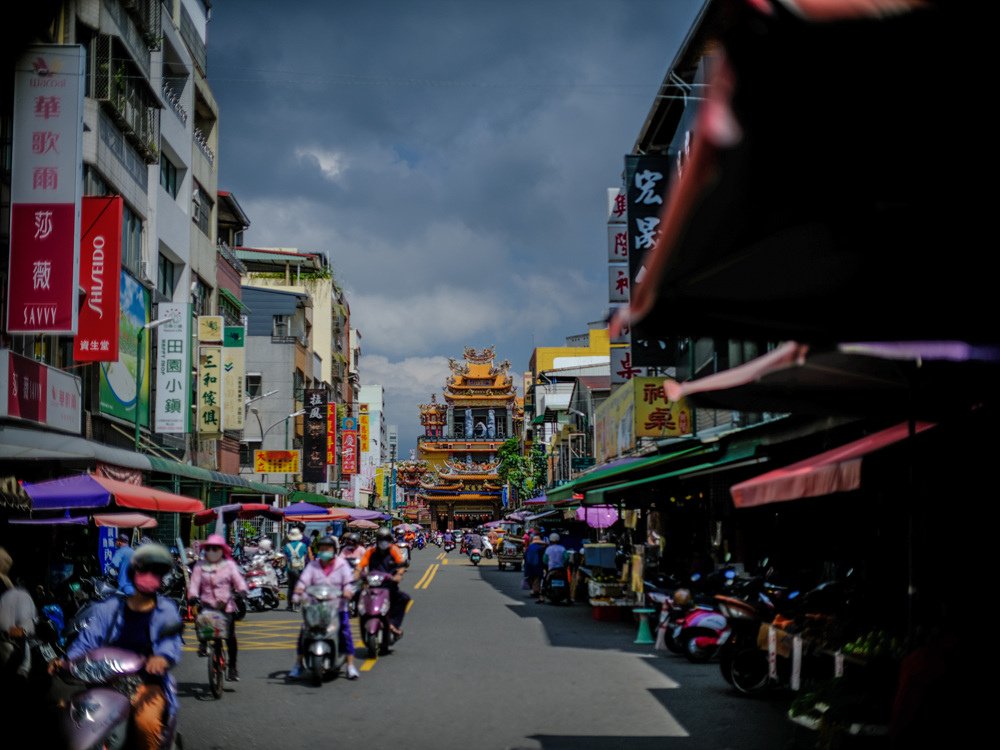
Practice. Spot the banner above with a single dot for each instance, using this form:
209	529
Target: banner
100	267
209	390
45	191
234	377
276	462
173	370
348	447
638	409
38	393
363	434
314	447
331	434
118	391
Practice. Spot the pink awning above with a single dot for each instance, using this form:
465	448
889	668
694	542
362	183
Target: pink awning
146	498
837	470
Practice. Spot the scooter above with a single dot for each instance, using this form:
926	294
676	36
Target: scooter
475	556
487	549
555	587
321	655
449	546
264	593
420	542
373	612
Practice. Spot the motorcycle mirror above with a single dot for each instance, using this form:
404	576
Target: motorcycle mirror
793	595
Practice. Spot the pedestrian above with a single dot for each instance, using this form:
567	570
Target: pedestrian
297	556
120	560
533	565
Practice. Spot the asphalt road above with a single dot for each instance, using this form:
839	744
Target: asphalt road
480	666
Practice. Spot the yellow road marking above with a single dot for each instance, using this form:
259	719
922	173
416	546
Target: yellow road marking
408	605
445	561
440	556
428	577
367	665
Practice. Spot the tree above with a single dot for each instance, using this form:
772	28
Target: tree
524	474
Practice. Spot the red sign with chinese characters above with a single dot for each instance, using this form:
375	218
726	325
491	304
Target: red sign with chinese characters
331	434
100	268
45	190
38	393
349	452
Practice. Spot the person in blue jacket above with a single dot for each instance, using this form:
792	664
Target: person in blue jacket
123	553
148	624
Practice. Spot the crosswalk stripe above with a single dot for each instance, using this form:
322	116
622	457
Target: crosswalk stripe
368	664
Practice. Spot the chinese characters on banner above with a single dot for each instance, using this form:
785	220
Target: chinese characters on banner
647	179
45	191
276	462
233	377
39	393
619	286
314	447
106	537
209	413
173	370
363	433
638	409
348	447
100	267
331	434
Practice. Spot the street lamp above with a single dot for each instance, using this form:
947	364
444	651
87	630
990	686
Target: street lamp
138	369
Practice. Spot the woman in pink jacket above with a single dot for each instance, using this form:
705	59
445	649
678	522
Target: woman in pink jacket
336	572
216	581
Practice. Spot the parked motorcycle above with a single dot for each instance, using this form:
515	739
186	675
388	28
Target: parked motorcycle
555	586
321	656
487	549
373	612
262	580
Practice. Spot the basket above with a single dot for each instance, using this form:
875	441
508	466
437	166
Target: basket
211	624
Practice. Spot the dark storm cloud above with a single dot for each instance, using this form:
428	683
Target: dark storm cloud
450	157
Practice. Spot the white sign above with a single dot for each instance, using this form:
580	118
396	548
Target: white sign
173	370
617	206
618	282
38	393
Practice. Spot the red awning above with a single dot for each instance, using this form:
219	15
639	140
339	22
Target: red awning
837	470
125	520
146	498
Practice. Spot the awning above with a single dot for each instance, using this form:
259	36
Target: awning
89	491
735	456
126	520
19	443
233	300
544	514
177	468
837	470
615	469
316	499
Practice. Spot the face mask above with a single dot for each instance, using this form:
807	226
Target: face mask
213	555
146	582
326	555
383	545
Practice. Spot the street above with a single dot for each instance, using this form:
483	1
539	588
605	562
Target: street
480	665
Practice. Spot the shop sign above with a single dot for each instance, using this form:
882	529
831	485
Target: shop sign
173	370
363	434
233	377
46	187
617	206
635	410
39	393
348	450
119	393
209	412
617	243
210	329
100	269
276	462
618	283
314	436
331	434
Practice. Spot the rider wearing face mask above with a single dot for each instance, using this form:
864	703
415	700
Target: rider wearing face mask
216	581
336	572
386	557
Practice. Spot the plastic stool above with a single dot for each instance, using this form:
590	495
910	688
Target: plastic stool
645	635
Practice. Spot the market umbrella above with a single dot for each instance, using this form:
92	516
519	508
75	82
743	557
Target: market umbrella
362	524
597	516
331	514
92	491
126	520
304	509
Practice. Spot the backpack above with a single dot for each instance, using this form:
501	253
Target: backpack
296	556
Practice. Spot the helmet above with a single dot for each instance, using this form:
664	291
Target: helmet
682	597
383	533
352	538
553	537
152	557
328	541
266	545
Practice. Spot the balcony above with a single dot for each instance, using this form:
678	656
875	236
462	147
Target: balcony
126	96
174	100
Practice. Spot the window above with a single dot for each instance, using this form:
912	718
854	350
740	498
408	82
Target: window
201	209
131	240
254	385
282	325
166	277
168	175
202	297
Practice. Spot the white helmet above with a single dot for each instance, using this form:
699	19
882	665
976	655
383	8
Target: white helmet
553	537
266	545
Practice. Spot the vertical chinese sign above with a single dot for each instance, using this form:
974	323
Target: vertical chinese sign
45	190
173	370
314	447
100	269
619	287
348	446
331	434
210	411
646	180
233	377
363	431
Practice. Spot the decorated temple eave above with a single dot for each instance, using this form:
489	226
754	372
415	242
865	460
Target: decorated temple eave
459	498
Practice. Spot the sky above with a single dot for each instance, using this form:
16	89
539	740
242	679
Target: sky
451	158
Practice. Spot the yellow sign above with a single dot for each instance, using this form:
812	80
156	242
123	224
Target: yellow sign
276	462
363	428
210	329
209	413
637	409
233	377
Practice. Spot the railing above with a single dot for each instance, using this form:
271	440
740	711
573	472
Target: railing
227	252
174	99
202	142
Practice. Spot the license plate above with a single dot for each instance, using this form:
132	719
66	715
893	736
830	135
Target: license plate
558	582
254	593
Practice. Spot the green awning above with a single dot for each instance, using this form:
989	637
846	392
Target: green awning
167	466
737	455
301	496
540	419
595	476
233	300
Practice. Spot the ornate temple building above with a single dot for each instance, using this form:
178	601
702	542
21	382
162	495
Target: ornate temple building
408	477
461	438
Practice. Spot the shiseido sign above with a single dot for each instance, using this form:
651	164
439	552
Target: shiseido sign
100	269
